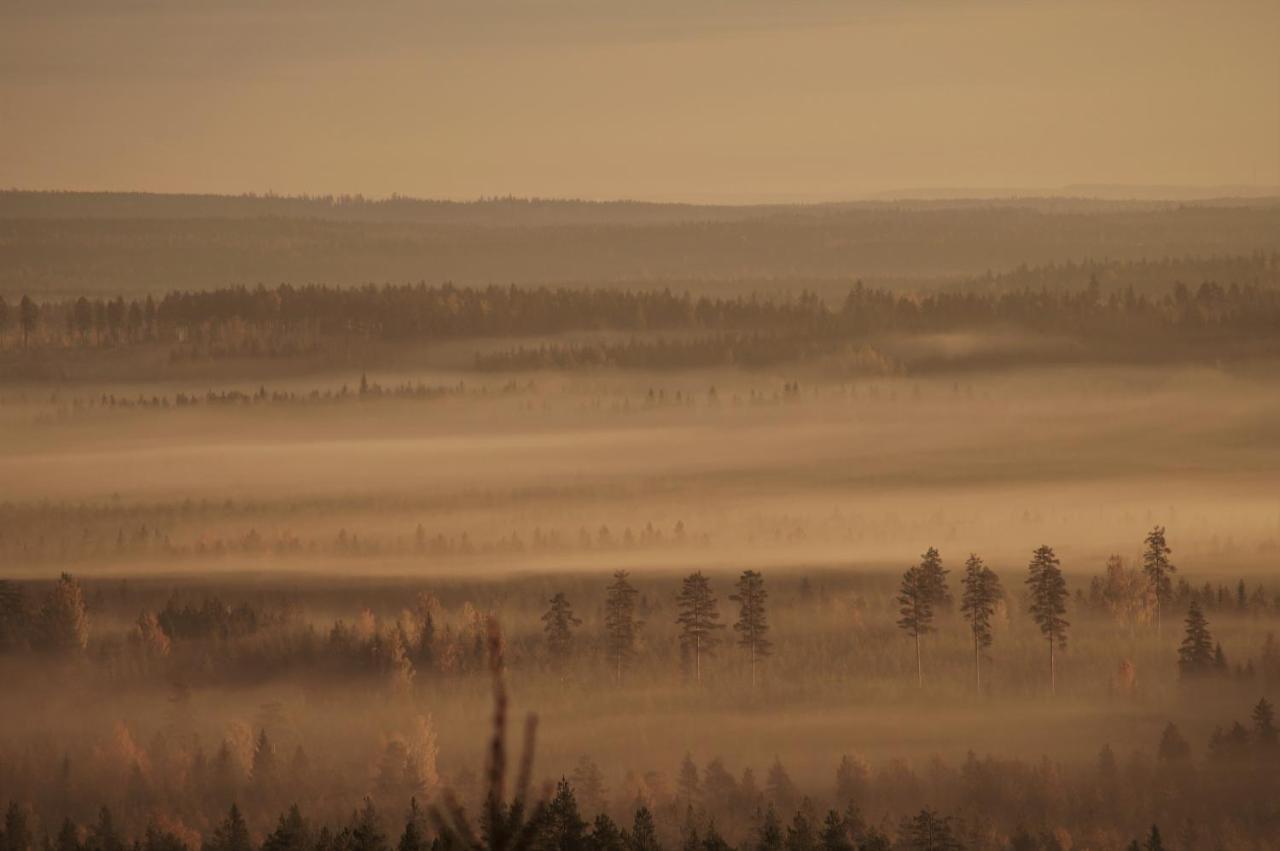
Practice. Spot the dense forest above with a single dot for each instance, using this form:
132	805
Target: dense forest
864	332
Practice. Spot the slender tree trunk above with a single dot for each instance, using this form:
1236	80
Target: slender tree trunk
1053	686
977	664
753	666
697	659
617	676
919	664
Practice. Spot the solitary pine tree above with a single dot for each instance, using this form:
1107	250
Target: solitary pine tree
698	618
1159	570
1049	604
1195	656
752	626
620	624
933	577
978	603
558	624
916	612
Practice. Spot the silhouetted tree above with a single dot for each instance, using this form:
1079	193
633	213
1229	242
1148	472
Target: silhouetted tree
291	833
231	835
800	833
620	624
1264	725
1048	604
1159	570
769	837
644	833
916	613
565	830
933	579
16	835
834	835
1173	747
927	831
366	829
558	624
698	617
1195	656
978	603
63	618
752	626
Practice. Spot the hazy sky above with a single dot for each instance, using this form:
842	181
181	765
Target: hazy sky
696	100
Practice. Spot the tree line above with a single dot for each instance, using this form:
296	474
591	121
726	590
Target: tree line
286	318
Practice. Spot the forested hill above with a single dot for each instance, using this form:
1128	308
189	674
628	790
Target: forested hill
524	212
136	244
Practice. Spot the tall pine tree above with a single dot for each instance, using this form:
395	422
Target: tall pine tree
1048	604
1159	570
978	603
620	625
558	624
916	612
753	625
698	617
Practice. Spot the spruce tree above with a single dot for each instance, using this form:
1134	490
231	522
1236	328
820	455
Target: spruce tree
916	612
620	625
558	624
698	617
978	603
1195	656
752	626
1048	604
1159	570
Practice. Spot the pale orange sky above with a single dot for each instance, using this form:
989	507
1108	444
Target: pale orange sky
719	100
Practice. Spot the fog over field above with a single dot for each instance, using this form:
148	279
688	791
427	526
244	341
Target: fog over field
703	426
